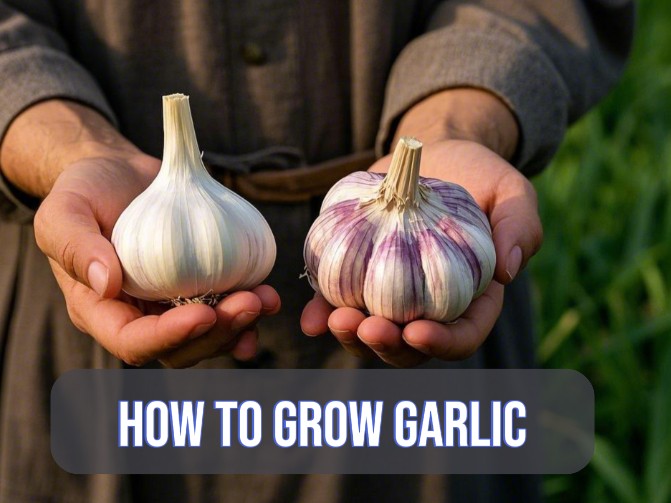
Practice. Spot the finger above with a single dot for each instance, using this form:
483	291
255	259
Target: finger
314	320
124	331
344	323
247	345
201	348
147	337
516	226
384	337
236	312
270	299
66	231
461	339
241	346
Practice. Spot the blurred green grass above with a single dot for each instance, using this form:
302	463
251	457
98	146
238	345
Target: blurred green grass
603	277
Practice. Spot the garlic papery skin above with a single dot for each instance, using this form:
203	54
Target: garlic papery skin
187	236
400	246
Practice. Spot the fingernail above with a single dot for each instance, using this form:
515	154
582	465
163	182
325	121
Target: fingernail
376	346
98	276
422	348
199	330
273	308
346	337
339	332
514	262
243	319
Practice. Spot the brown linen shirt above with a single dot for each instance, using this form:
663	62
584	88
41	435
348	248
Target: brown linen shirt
329	77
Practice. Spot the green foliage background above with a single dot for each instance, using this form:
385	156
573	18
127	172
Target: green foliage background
603	276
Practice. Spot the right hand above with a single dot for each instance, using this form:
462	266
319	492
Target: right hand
509	201
73	226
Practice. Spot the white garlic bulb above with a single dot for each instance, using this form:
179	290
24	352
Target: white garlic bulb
187	237
400	246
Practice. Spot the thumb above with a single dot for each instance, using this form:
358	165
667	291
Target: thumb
516	226
66	230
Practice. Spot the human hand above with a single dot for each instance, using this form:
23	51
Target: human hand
509	201
73	226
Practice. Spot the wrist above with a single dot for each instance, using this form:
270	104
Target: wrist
463	114
48	137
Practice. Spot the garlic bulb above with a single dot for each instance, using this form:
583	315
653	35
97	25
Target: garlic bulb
400	246
187	237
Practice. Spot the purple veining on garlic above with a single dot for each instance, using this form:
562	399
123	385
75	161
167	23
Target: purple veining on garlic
444	299
454	234
351	248
319	237
353	186
455	198
395	295
359	253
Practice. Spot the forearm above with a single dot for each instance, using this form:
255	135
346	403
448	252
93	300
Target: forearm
548	61
463	114
50	136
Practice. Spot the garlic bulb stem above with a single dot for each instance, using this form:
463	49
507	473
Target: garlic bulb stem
180	146
400	187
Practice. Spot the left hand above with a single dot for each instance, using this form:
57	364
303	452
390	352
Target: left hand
73	226
509	201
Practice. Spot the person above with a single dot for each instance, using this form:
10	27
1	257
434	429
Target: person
486	85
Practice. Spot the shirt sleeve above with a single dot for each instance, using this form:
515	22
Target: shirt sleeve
35	66
549	61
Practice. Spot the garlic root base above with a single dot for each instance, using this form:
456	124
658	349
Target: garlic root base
210	299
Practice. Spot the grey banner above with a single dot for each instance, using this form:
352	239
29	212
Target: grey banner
322	421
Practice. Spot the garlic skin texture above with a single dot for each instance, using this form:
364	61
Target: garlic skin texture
400	246
187	236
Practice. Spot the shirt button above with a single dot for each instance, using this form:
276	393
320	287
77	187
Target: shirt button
253	54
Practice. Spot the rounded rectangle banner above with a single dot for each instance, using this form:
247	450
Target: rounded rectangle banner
322	421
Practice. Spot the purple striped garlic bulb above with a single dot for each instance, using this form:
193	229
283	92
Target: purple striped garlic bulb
400	246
